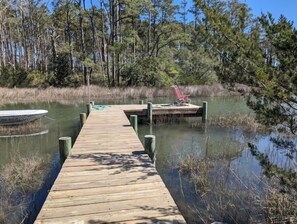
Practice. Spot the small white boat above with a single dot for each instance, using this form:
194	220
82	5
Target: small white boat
17	117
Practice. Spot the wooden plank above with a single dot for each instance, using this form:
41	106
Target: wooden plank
108	178
154	215
99	198
108	207
106	190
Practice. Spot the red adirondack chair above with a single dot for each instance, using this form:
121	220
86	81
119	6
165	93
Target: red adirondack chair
180	98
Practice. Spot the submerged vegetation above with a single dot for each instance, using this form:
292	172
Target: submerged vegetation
25	129
245	122
223	195
19	180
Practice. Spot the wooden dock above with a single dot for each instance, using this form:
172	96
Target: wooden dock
108	178
140	110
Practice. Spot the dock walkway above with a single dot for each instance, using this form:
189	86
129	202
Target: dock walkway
108	179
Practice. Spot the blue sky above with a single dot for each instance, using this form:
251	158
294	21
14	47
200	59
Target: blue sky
277	7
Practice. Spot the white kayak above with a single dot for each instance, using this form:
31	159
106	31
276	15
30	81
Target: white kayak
17	117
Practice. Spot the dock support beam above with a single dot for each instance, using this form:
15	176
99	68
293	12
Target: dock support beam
64	147
83	118
89	108
204	113
134	122
150	146
150	112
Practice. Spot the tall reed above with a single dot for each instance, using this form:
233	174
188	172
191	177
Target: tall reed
223	196
245	122
227	197
19	179
26	95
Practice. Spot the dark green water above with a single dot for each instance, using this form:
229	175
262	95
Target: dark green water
174	142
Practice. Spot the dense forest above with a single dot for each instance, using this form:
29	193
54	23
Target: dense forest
153	43
125	42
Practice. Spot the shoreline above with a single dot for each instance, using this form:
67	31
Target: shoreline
80	94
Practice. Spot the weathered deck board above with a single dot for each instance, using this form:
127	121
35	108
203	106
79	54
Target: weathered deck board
108	178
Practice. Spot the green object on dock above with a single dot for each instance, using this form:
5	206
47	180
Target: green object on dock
65	147
83	118
204	114
150	112
150	146
134	122
100	107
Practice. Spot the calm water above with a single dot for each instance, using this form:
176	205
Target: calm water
174	142
63	120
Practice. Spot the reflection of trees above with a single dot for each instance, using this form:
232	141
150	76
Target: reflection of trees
285	175
287	146
280	202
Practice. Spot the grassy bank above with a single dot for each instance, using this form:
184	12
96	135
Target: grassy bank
18	181
28	95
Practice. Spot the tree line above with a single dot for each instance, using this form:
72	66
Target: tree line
130	42
153	43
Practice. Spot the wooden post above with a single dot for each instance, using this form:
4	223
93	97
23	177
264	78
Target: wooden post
64	147
83	118
89	108
150	146
134	122
88	85
204	113
150	112
140	101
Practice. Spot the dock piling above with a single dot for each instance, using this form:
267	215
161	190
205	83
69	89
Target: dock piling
134	122
150	146
150	112
83	118
204	114
89	108
64	147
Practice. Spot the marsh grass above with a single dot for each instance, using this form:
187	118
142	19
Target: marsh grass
80	94
25	129
245	122
280	207
19	180
223	195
